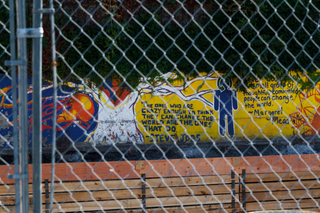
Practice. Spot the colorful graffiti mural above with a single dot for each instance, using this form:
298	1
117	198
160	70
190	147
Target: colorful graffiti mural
201	109
76	113
306	119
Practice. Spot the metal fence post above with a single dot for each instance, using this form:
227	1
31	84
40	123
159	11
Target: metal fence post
23	113
54	119
36	106
14	101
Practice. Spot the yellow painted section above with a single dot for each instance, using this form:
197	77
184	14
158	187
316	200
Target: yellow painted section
269	110
86	102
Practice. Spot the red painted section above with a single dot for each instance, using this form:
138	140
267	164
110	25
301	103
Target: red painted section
306	115
116	93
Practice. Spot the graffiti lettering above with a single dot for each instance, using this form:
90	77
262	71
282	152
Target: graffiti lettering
266	112
278	120
171	138
152	122
153	128
174	117
150	110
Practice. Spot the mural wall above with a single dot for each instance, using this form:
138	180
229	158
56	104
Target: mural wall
203	109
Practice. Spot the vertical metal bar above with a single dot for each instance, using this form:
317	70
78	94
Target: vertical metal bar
244	189
36	108
14	100
47	206
46	185
23	112
54	70
143	187
233	187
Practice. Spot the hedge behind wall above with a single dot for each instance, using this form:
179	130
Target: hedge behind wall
241	39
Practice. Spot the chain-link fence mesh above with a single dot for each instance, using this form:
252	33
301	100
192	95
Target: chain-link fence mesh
191	106
7	190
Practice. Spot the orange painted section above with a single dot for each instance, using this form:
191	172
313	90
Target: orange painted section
173	168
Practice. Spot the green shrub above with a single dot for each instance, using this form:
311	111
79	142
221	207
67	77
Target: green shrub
255	43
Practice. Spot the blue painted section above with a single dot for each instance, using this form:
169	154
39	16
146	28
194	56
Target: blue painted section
73	124
225	101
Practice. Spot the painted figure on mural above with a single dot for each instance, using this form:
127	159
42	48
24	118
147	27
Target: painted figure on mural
116	116
225	101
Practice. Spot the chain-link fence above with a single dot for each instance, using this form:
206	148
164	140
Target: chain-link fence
170	106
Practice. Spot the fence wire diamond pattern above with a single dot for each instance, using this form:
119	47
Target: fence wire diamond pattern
174	106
